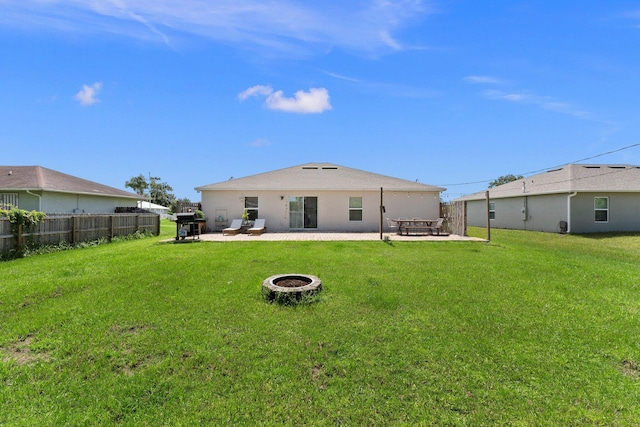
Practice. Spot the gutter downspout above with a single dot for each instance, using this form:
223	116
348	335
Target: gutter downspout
569	197
39	199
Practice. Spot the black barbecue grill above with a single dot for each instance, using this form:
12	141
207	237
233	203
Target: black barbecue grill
188	224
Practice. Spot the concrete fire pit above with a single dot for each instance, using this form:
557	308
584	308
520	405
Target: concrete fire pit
290	288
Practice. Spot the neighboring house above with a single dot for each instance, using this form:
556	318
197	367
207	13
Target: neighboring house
163	211
576	198
318	196
49	191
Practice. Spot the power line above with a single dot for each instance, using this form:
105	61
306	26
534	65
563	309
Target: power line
546	169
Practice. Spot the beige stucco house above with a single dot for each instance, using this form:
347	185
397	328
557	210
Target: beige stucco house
319	197
45	190
576	198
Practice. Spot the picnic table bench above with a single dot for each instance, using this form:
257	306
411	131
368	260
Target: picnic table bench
419	225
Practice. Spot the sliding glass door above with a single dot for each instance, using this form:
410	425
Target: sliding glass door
303	212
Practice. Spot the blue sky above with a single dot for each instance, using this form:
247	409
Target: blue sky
195	92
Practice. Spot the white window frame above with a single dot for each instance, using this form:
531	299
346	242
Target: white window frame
492	210
597	209
355	209
249	207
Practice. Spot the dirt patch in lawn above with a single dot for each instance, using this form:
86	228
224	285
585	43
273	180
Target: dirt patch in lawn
20	352
631	368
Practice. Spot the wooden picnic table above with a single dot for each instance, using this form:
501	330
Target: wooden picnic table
415	224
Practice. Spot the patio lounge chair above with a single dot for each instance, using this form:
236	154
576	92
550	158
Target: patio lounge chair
234	228
258	227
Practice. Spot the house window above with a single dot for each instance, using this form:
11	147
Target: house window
492	210
251	206
601	209
7	200
355	208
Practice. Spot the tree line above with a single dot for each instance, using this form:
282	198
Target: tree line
159	193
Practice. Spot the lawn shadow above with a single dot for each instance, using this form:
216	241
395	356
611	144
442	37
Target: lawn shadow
608	235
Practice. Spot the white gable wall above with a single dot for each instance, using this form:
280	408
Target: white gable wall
333	207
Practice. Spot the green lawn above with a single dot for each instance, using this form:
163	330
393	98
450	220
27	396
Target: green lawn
531	329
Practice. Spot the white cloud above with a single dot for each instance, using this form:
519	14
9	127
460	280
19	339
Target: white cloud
516	97
342	77
482	80
290	26
314	101
634	15
261	142
544	102
392	89
255	91
88	94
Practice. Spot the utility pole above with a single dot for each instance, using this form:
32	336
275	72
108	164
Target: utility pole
486	195
381	211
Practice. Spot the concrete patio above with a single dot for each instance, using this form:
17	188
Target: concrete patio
312	236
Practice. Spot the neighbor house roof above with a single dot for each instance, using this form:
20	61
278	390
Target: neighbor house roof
319	177
569	179
37	178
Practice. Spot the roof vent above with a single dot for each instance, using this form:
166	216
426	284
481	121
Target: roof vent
309	167
592	167
617	167
10	173
330	167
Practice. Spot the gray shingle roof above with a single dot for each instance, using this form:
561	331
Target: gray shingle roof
37	178
570	178
319	177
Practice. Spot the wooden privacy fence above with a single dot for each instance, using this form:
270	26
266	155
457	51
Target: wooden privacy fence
79	228
455	216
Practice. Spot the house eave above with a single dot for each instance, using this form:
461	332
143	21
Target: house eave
481	196
289	189
84	193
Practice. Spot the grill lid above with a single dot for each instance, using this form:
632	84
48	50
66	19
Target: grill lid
186	217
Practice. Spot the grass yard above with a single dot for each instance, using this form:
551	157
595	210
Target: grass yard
531	329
